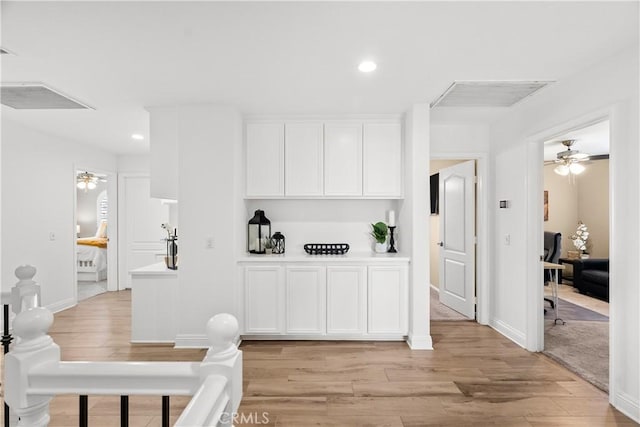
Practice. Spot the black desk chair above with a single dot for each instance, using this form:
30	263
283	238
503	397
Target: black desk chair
552	249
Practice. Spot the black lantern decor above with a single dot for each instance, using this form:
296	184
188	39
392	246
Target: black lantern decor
278	242
258	232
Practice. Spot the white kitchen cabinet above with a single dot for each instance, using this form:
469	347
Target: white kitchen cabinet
382	165
306	300
346	299
265	159
303	159
343	159
387	300
263	299
154	292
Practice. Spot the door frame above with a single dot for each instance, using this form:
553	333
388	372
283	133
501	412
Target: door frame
483	296
112	227
535	227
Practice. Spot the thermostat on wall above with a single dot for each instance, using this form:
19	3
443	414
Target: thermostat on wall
504	204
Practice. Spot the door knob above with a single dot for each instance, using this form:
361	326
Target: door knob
440	243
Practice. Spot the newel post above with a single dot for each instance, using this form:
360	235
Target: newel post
223	356
33	347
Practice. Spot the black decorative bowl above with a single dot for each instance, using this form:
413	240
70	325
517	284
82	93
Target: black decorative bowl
326	248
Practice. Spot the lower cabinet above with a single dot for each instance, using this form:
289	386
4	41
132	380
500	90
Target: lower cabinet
349	301
306	300
346	300
263	300
387	300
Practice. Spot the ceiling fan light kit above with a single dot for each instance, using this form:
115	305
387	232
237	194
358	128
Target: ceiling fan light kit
568	160
87	181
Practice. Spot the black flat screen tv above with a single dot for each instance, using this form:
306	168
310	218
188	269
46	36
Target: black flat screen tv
434	192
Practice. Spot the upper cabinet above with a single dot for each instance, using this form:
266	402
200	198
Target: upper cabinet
382	160
265	160
343	159
332	159
303	147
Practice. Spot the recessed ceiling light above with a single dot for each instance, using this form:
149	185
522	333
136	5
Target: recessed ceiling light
137	136
367	66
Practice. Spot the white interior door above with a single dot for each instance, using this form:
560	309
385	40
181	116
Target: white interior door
141	236
457	237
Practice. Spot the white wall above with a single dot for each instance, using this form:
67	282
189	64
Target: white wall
134	163
414	215
38	190
610	87
209	169
458	138
326	221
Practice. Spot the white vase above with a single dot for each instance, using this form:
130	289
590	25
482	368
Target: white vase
380	247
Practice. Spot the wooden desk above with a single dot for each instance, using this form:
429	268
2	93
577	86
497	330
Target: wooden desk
553	269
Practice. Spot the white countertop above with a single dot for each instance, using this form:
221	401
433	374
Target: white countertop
348	257
158	269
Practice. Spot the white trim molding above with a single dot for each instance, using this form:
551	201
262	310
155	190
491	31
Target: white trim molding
420	343
514	335
627	405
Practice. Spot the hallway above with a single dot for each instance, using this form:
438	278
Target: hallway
474	377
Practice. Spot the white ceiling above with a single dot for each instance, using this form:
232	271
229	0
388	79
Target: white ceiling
592	139
288	57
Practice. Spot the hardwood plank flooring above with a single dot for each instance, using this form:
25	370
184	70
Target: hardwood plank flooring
475	377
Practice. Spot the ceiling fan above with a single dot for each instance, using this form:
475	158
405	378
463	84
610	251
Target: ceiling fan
88	181
569	161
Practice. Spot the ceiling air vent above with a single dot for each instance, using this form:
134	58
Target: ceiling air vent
487	93
36	96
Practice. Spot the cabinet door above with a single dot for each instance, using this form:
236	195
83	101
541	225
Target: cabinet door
346	300
264	298
265	159
382	159
343	159
387	295
303	159
306	308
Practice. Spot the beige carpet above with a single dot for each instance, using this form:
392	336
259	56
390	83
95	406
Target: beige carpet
582	347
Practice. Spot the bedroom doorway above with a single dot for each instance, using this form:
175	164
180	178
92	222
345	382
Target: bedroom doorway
577	214
93	213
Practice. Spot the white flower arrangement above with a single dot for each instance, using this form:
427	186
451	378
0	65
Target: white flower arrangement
171	232
581	237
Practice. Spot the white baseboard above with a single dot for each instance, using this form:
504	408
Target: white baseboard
514	335
192	341
62	305
627	405
434	287
420	343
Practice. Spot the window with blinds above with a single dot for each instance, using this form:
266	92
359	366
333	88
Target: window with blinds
103	207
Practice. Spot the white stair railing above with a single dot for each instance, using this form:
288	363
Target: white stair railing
34	372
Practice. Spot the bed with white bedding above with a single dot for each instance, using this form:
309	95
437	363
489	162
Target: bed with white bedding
92	256
92	263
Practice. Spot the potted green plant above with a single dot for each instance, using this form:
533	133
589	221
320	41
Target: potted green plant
380	231
268	246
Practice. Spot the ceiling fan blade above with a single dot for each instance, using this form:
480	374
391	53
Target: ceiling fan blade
599	157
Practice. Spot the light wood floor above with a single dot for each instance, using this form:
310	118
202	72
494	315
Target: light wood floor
475	377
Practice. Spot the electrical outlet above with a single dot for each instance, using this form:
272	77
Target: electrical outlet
209	243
